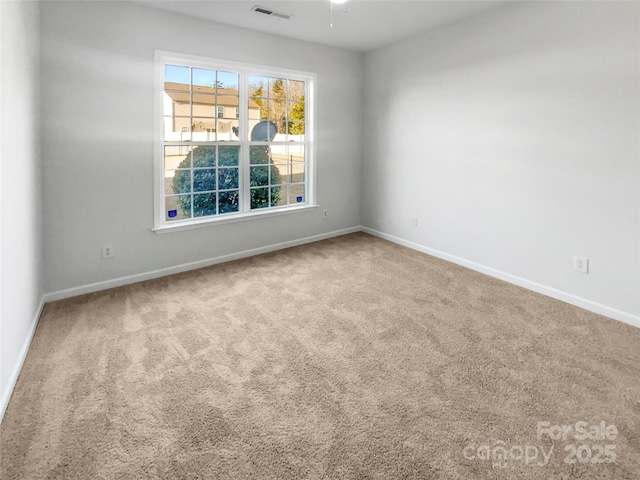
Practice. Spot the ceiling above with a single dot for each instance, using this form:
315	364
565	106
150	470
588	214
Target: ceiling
360	25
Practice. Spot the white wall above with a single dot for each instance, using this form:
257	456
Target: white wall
97	147
513	137
21	285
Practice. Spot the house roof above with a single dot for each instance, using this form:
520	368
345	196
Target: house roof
227	97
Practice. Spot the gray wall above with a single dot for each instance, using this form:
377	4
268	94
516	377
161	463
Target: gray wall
97	143
513	137
21	286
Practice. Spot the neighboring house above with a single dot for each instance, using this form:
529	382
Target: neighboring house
205	110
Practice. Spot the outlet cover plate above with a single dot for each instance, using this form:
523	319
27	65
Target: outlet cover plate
581	264
107	251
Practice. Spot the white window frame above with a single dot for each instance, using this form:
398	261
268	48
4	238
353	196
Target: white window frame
161	225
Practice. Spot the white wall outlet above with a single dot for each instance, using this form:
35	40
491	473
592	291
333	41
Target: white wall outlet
325	213
581	264
414	221
107	251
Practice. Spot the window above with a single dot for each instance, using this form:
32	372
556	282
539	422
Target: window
233	140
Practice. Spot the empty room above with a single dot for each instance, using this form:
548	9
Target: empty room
320	239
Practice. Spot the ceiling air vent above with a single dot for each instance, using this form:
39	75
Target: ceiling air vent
271	13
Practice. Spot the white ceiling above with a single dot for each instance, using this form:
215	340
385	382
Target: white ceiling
360	25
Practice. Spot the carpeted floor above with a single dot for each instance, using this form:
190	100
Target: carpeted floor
351	358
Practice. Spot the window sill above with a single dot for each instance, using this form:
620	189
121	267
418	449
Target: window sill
225	219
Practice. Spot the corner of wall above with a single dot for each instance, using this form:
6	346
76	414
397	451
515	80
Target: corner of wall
21	232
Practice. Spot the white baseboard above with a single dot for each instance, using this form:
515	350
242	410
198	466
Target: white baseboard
15	373
595	307
118	282
625	317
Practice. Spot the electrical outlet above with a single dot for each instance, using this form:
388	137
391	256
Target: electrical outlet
107	251
581	264
325	213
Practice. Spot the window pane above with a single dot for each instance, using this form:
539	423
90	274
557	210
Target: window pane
177	208
296	153
296	131
204	156
227	83
295	110
258	86
278	116
204	105
227	106
176	78
297	173
204	125
252	125
296	89
296	117
259	155
227	130
274	176
227	178
228	156
259	198
259	176
277	88
296	194
282	174
277	111
204	180
278	196
255	108
204	78
177	156
228	202
279	154
263	131
177	129
204	204
168	182
281	127
176	104
177	181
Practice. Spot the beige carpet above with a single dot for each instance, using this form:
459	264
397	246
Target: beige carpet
351	358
